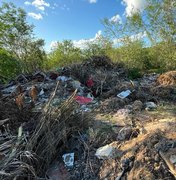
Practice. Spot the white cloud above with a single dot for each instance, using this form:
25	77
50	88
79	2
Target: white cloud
92	1
116	19
27	3
82	43
53	44
35	16
39	4
133	6
133	37
42	8
60	6
138	36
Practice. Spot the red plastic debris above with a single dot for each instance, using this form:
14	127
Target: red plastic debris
83	100
90	82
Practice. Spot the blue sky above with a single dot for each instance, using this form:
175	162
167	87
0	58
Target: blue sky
56	20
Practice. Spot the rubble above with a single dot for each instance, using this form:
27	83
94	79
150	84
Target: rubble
150	106
124	133
137	106
125	115
57	114
107	152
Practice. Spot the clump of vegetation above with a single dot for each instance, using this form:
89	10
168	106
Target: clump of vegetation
145	42
9	66
156	26
21	51
64	54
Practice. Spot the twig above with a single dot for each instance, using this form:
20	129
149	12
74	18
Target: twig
102	82
3	121
88	154
51	98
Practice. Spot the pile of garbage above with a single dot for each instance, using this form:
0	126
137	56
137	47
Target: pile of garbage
87	121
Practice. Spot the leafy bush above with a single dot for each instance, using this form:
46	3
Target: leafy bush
9	66
64	54
156	26
132	54
134	73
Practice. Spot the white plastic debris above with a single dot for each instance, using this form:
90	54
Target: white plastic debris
124	94
107	152
68	159
20	131
9	90
41	92
150	106
62	78
76	84
89	95
85	108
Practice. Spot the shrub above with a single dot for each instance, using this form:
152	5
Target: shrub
9	66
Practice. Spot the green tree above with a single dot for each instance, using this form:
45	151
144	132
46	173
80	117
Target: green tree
158	22
14	29
9	66
64	54
16	37
34	55
100	47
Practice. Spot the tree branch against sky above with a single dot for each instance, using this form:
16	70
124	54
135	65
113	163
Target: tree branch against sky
77	20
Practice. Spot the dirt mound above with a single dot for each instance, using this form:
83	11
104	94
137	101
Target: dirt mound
148	164
168	78
141	156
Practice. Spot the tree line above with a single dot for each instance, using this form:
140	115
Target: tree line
22	52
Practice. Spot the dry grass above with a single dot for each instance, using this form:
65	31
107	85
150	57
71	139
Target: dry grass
168	78
30	159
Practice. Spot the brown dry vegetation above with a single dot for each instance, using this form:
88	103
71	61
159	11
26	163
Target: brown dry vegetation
168	78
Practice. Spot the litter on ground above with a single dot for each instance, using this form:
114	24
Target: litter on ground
114	128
